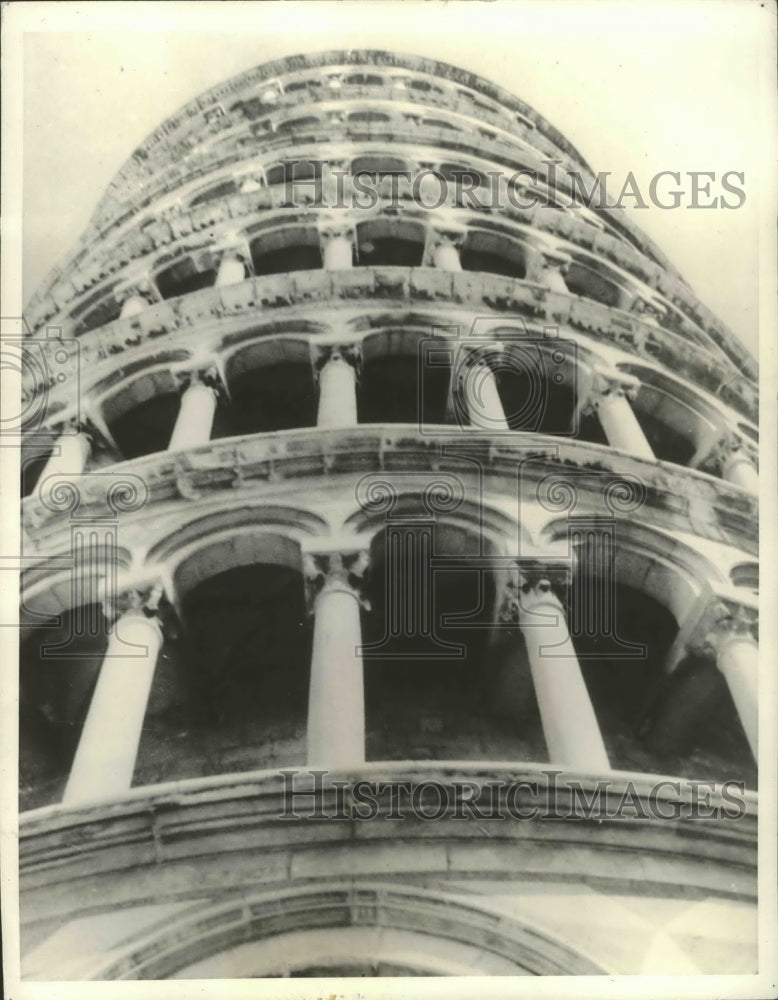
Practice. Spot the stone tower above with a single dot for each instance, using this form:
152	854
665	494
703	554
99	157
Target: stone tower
358	450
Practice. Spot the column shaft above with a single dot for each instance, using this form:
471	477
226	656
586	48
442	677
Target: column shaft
569	724
553	279
738	470
195	417
621	426
337	395
446	257
231	271
108	746
73	455
738	660
482	398
337	254
133	305
336	708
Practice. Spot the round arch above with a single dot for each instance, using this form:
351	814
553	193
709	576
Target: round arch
491	941
654	563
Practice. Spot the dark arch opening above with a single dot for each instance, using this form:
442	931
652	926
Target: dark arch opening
273	397
493	254
33	462
293	249
379	166
399	384
183	277
682	724
294	170
437	690
390	243
671	427
538	389
233	693
692	727
59	662
221	190
589	284
145	427
106	311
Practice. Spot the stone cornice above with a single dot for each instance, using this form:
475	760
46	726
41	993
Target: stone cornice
671	498
231	825
501	152
320	289
135	252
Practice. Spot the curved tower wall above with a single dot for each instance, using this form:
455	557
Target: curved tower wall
351	448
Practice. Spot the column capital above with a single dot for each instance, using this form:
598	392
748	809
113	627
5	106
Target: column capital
535	581
145	601
133	301
207	374
722	617
648	310
231	246
350	353
337	570
547	265
730	449
72	426
443	236
609	383
332	230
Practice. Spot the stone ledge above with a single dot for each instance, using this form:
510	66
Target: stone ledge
397	286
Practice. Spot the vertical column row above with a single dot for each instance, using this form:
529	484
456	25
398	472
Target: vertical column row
337	371
105	759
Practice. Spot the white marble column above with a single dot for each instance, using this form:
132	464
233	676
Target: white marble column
336	705
552	276
133	305
71	453
478	386
737	657
622	428
337	393
736	465
108	745
337	252
231	270
570	726
445	256
720	627
195	417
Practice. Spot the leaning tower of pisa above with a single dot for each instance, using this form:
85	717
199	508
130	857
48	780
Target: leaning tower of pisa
357	453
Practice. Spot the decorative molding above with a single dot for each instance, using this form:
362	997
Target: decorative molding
230	306
350	352
537	577
730	447
335	570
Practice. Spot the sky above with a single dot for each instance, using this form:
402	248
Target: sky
634	86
